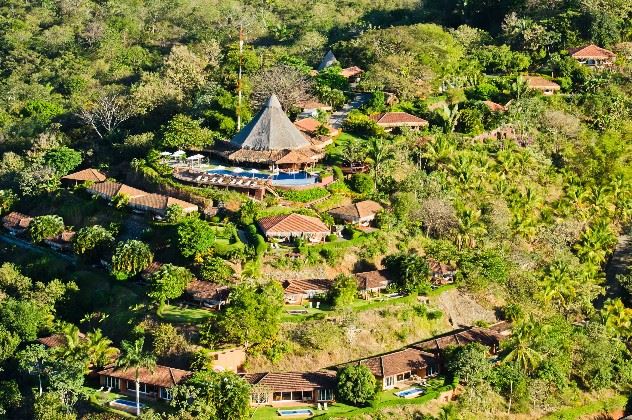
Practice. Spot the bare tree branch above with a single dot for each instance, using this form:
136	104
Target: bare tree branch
105	114
288	83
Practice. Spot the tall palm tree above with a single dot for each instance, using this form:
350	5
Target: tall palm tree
439	152
470	226
133	357
379	152
99	349
617	317
73	348
521	346
559	284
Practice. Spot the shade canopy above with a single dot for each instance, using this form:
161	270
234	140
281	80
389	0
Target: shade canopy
270	130
196	157
179	153
165	154
219	168
237	170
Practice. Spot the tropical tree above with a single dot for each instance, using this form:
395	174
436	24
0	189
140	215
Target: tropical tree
343	290
99	349
62	159
33	359
356	384
130	258
617	317
73	348
169	282
450	117
45	227
559	284
195	237
411	272
470	227
379	153
521	346
439	152
134	357
469	363
92	239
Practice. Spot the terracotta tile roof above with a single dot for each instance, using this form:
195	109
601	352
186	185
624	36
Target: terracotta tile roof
398	119
484	336
308	125
293	287
86	175
161	202
351	71
372	279
15	220
57	340
292	223
357	211
494	107
206	290
538	82
109	189
292	381
591	51
400	361
64	238
162	376
300	156
313	105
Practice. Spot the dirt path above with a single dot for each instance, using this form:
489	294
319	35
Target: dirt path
338	118
619	262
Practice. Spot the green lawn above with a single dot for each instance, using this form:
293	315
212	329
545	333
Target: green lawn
270	413
335	151
171	313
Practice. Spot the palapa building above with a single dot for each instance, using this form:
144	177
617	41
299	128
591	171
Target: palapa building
593	56
547	87
361	213
85	175
391	120
271	139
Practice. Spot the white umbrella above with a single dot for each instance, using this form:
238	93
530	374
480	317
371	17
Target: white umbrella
179	153
253	172
237	170
165	154
219	168
197	157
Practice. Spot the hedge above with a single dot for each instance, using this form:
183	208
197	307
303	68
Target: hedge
305	196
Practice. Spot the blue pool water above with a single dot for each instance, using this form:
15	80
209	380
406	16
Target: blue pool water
281	178
411	392
297	412
127	403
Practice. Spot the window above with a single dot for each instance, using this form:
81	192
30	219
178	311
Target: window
390	381
113	383
325	394
286	396
165	394
308	396
260	397
143	388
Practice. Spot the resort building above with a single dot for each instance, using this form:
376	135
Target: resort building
270	139
251	186
397	120
57	340
352	74
289	388
485	336
312	127
547	87
85	175
360	213
154	384
400	366
311	108
296	292
207	294
593	56
372	283
16	223
292	226
441	273
108	190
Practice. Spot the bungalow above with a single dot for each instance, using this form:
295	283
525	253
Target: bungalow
298	291
399	366
154	384
352	74
207	294
291	387
109	190
85	175
593	56
547	87
16	223
484	336
441	273
391	120
158	204
311	127
372	283
289	226
61	242
360	213
312	108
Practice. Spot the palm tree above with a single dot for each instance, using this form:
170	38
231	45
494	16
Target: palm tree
450	117
133	357
379	152
470	226
439	152
617	317
521	351
73	348
558	284
99	349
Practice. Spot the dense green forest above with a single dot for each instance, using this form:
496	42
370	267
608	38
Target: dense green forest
529	203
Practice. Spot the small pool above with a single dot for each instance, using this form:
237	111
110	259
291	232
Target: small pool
126	403
296	412
281	178
410	393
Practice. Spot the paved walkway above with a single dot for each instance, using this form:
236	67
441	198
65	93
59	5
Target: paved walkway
619	262
34	248
338	118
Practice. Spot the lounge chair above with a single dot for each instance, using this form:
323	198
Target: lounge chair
247	183
108	390
100	389
232	182
198	177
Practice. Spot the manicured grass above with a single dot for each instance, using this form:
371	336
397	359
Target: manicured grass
175	314
335	151
270	413
223	246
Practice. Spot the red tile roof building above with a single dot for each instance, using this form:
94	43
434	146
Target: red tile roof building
547	87
362	212
294	225
372	283
291	387
592	55
153	384
297	291
16	223
85	175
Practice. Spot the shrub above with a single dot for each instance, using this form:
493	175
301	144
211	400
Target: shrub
45	227
305	196
343	291
362	183
356	385
331	238
216	270
338	175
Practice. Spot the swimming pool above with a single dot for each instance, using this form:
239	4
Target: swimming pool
296	412
410	393
126	403
280	178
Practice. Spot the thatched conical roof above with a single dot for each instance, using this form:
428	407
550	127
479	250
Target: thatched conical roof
270	130
328	60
